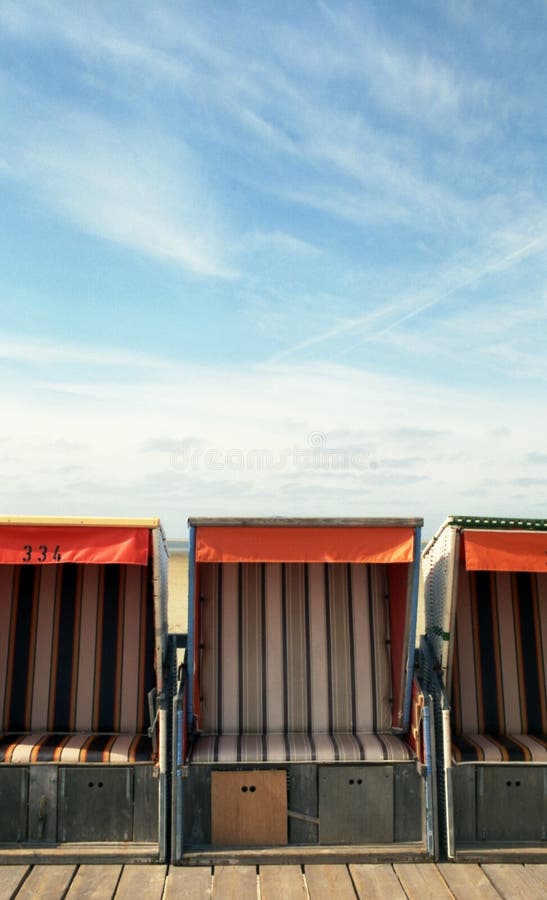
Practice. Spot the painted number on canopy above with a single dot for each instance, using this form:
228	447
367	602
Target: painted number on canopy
41	554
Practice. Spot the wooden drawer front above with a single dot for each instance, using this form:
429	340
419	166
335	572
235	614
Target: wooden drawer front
249	808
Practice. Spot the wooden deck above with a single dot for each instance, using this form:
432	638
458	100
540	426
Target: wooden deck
415	881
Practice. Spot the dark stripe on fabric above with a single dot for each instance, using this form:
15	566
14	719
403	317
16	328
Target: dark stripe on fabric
6	662
353	687
239	650
45	750
109	644
329	648
17	720
219	659
264	649
360	745
94	748
383	745
285	650
513	751
7	741
307	639
530	652
484	599
141	749
465	750
65	654
372	632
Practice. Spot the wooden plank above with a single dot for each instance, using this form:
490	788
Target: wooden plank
484	853
376	882
422	880
72	854
514	882
10	879
467	880
325	882
539	871
94	882
141	880
335	855
249	808
47	882
235	883
188	884
286	882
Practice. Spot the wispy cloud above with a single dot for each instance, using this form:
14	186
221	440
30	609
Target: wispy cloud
217	439
337	159
95	175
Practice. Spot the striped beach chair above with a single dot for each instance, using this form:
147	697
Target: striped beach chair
486	616
293	718
83	631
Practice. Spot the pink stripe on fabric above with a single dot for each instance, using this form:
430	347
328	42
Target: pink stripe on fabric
130	682
44	644
274	644
536	747
23	750
364	696
71	751
120	748
230	650
87	648
318	670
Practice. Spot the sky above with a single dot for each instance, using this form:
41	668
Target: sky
273	258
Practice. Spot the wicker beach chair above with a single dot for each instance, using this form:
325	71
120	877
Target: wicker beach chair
83	644
298	720
486	664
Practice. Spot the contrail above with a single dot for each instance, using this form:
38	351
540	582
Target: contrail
350	324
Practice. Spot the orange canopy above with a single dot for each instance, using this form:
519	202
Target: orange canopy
304	544
51	544
505	551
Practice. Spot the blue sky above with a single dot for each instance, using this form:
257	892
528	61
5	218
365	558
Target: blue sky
264	258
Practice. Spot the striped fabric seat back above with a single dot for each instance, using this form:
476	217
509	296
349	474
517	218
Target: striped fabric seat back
76	648
499	666
288	648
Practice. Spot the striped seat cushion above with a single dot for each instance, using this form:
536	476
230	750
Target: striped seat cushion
294	649
499	667
298	748
76	649
499	748
47	747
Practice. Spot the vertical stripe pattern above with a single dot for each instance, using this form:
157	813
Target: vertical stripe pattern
294	648
499	701
76	649
498	683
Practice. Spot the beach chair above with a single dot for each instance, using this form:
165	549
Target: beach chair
300	727
485	659
83	659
